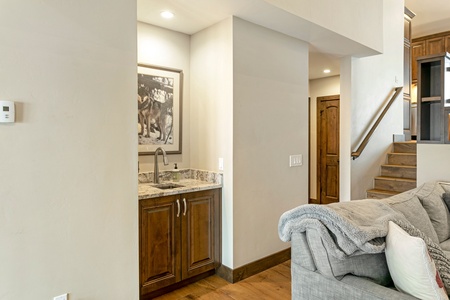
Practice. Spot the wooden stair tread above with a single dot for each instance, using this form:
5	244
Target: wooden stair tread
386	192
403	153
395	178
399	166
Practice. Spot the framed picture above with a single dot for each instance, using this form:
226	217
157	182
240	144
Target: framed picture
160	93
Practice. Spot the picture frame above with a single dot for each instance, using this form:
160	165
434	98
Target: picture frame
160	107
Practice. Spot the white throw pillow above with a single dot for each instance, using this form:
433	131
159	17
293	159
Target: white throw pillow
412	269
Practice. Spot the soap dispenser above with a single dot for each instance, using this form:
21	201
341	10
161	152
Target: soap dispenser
175	174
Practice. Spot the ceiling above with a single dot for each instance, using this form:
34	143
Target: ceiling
192	16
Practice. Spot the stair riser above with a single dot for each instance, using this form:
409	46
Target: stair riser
400	172
405	147
394	185
404	160
371	195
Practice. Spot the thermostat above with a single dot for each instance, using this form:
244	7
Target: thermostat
7	112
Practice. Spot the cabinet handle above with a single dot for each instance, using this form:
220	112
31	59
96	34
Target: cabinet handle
185	206
178	206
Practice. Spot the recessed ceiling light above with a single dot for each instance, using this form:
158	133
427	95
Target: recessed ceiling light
167	14
327	71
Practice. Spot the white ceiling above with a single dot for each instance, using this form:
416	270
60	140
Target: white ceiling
191	16
432	16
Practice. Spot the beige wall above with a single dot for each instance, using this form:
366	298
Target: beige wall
212	115
365	85
432	162
166	48
356	20
270	123
248	106
68	204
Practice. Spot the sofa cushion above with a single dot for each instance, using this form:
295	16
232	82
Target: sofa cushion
410	265
430	194
446	197
414	212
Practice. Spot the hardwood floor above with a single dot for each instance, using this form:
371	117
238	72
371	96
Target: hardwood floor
274	283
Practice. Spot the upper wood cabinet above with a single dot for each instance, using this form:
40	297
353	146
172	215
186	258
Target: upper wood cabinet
418	50
428	45
435	45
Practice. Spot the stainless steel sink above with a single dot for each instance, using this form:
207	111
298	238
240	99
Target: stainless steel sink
167	186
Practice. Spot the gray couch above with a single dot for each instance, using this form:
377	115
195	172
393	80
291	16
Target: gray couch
317	274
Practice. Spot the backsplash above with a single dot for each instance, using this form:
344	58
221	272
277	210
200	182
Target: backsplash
202	175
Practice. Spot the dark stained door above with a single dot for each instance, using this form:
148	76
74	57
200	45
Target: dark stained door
328	149
159	242
200	232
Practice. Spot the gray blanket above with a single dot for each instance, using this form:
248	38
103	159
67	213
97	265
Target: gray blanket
346	228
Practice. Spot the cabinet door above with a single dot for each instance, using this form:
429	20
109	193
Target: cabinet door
201	224
159	242
435	45
418	49
447	43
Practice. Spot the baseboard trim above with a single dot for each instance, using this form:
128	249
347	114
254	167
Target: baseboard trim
238	274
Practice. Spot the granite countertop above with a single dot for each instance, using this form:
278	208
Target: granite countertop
191	180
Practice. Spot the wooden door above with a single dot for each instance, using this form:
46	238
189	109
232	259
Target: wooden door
159	243
200	232
328	149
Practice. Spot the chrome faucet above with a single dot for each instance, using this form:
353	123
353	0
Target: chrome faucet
165	160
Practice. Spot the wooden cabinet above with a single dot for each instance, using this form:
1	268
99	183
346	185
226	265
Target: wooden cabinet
433	98
435	45
179	238
418	49
428	45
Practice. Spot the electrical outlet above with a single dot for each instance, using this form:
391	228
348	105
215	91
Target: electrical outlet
295	160
61	297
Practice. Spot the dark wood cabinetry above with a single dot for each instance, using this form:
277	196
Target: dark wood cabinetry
433	98
428	45
179	238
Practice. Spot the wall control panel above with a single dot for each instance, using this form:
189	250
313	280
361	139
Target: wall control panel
7	112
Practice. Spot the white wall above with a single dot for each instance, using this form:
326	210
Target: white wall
68	208
432	162
248	105
270	123
166	48
211	112
357	20
318	88
366	85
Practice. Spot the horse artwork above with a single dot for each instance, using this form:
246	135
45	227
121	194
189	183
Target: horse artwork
157	110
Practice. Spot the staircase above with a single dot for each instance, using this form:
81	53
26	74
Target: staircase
399	174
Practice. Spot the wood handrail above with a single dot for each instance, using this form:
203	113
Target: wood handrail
365	141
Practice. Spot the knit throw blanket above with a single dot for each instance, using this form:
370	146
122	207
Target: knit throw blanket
356	227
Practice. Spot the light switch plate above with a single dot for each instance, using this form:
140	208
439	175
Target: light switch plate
295	160
61	297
